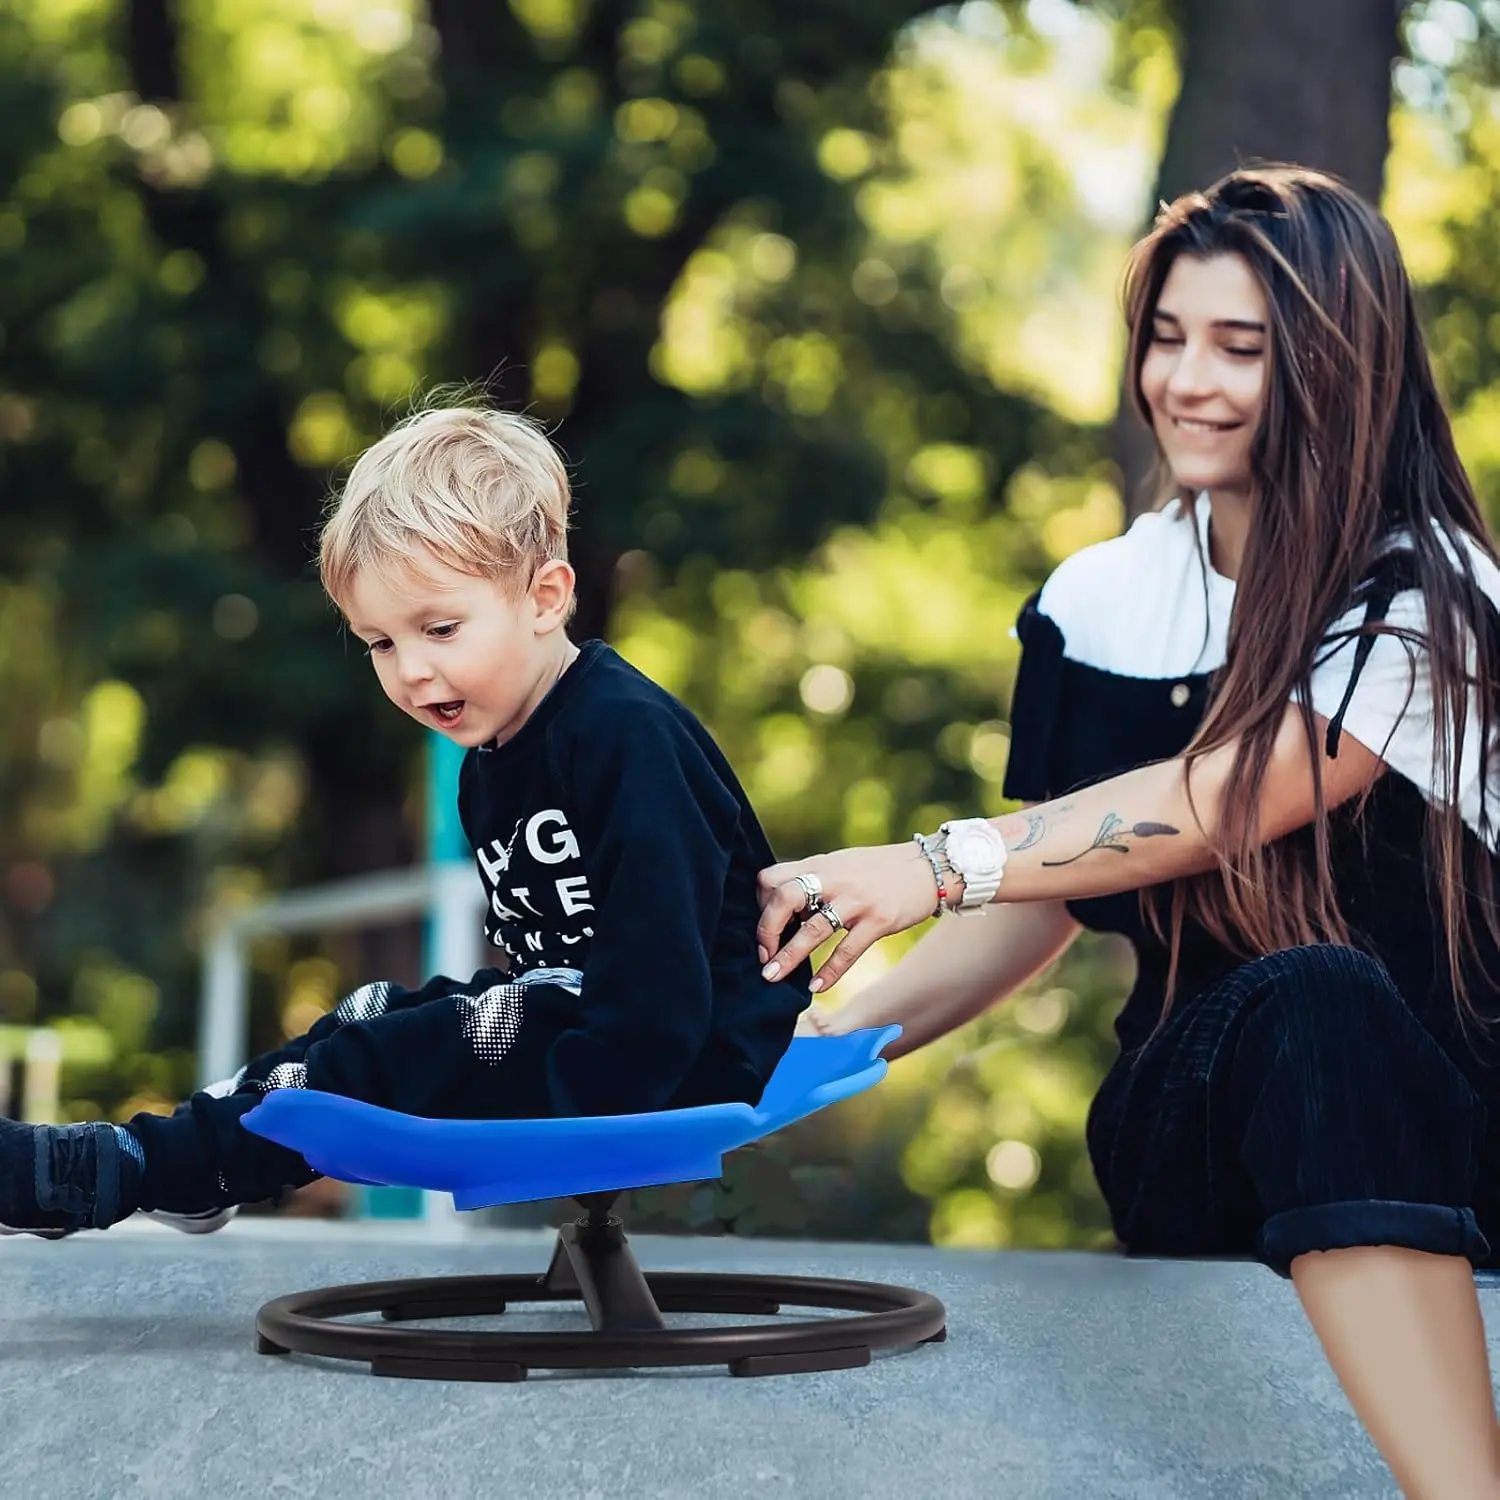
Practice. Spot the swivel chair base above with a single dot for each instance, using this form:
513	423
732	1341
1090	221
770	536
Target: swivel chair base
593	1263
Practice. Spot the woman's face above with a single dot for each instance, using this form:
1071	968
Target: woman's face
1205	370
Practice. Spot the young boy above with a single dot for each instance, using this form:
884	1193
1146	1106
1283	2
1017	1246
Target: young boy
610	832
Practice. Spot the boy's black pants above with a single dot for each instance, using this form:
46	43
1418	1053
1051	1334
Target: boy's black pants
450	1050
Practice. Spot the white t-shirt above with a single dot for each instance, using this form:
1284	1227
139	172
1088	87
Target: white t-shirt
1134	606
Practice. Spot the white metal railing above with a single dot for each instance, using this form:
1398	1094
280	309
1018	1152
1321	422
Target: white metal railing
449	895
37	1053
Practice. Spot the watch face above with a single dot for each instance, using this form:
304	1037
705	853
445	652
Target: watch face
973	852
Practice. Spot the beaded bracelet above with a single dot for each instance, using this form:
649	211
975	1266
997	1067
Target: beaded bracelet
937	874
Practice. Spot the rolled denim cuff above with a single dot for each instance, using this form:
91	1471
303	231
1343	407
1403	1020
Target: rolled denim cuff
1434	1227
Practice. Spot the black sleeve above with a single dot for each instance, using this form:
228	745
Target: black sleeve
656	827
1033	710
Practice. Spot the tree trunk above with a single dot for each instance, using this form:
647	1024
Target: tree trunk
1305	81
357	806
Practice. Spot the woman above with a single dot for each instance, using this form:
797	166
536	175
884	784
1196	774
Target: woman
1254	735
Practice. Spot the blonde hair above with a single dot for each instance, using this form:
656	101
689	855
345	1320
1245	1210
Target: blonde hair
481	491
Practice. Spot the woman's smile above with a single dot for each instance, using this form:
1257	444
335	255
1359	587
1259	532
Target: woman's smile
1196	427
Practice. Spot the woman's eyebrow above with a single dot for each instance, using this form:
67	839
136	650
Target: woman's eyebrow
1245	325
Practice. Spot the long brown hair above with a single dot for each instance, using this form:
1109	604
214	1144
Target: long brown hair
1353	446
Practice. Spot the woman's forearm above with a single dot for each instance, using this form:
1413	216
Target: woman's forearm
1133	830
1138	829
961	968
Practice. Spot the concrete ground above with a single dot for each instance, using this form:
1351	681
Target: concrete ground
127	1370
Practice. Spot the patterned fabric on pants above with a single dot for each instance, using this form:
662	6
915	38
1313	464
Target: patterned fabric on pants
1298	1105
446	1051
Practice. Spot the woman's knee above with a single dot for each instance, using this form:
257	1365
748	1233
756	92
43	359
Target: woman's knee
1331	973
1336	1092
1323	1005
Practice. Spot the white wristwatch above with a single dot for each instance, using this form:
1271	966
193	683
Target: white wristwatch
977	852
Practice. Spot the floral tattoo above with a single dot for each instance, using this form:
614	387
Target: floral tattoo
1111	831
1036	826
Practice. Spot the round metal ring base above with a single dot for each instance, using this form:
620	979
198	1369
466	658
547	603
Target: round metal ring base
888	1317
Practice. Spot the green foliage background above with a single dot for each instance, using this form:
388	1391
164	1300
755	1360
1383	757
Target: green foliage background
823	299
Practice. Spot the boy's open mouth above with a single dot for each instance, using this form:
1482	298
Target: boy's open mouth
446	713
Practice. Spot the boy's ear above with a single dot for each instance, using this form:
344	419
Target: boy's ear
552	593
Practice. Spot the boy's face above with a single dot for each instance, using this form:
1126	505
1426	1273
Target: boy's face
458	653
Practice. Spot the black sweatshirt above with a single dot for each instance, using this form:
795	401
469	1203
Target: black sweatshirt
615	839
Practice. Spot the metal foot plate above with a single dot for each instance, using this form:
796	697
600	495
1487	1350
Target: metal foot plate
801	1363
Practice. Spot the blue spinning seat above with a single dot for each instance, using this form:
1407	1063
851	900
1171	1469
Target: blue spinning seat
487	1162
593	1159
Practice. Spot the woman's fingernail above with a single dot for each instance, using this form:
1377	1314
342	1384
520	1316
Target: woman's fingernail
761	954
770	971
815	986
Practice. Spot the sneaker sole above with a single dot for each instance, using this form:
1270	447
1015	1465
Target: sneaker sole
208	1223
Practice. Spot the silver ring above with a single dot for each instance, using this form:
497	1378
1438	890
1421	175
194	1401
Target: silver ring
821	908
813	889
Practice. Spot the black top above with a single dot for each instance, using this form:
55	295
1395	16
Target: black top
1118	651
615	840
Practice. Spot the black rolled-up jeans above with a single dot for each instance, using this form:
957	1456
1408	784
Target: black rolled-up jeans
1297	1105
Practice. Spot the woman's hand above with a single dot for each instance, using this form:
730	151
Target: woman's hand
872	892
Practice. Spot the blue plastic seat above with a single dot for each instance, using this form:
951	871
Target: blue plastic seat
487	1162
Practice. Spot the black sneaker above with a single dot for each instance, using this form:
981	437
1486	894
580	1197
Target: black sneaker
55	1179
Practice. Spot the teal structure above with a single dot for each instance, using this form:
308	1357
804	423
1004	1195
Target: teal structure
444	844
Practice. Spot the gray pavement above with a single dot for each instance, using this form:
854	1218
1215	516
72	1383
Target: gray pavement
126	1370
